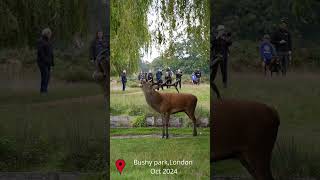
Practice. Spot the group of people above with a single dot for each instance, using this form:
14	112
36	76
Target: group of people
45	57
277	46
168	76
196	77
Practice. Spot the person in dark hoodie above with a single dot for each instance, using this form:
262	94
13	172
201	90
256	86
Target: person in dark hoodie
281	39
123	79
98	45
45	59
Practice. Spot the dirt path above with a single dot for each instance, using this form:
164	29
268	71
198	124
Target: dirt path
127	94
157	136
83	99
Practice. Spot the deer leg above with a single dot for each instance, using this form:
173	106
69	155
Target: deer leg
163	124
194	127
244	161
194	120
259	165
167	124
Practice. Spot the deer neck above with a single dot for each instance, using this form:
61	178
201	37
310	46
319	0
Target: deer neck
153	99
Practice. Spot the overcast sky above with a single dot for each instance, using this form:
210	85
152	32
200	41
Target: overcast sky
155	50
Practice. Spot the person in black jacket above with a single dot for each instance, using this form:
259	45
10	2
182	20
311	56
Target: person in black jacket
123	79
150	76
140	76
220	46
45	59
98	45
281	39
179	77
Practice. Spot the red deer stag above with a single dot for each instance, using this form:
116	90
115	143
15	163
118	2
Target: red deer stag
246	131
170	103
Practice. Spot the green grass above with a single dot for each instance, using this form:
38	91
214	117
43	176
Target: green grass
193	148
297	99
59	131
154	130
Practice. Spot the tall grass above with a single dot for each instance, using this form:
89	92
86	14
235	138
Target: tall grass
63	131
291	159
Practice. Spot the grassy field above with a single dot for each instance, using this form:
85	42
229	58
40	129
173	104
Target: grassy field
132	101
188	148
297	99
62	131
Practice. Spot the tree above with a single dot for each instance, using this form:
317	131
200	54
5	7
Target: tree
130	33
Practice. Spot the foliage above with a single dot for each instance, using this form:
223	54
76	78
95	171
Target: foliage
130	31
187	57
249	19
22	21
139	121
8	153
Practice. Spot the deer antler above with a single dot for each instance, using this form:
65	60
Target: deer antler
154	84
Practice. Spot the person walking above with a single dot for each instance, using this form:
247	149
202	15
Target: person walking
281	39
221	45
124	79
45	59
179	77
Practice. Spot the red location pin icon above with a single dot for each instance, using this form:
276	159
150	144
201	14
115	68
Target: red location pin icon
120	164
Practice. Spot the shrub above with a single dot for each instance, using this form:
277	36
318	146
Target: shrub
35	152
136	110
75	73
139	121
117	109
8	153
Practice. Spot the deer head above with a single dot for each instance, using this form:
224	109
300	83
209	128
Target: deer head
147	86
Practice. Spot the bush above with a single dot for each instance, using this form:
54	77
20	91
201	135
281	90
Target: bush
75	73
136	110
245	55
35	152
8	154
117	109
139	121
